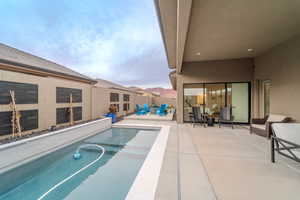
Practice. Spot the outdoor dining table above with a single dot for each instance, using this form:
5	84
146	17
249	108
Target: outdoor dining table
153	109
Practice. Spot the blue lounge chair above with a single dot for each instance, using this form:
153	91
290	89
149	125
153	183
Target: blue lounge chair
146	108
139	110
162	110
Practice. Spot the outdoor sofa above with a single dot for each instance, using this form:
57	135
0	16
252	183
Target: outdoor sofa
285	139
262	126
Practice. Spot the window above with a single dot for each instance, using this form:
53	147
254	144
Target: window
63	95
211	97
117	107
126	107
28	121
63	115
193	97
126	97
24	93
114	97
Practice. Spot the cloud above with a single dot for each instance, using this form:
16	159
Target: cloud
115	40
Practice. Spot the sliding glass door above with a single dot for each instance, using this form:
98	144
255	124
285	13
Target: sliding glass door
211	97
215	98
193	97
238	99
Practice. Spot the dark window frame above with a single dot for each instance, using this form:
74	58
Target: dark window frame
116	105
25	122
25	93
63	114
126	97
226	83
126	106
114	97
63	95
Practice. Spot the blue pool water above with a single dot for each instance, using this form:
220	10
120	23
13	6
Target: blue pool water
109	179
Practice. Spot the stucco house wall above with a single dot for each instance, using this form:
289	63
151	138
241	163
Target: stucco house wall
47	96
281	65
235	70
163	100
142	100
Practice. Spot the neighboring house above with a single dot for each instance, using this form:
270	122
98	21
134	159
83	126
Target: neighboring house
157	98
242	55
42	91
123	98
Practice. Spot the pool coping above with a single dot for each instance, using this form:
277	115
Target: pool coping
38	155
12	144
146	181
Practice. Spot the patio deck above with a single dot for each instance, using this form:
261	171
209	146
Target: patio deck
151	117
221	163
204	163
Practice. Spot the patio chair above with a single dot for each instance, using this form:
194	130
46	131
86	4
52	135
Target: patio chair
285	139
139	110
146	108
162	110
262	127
226	116
197	117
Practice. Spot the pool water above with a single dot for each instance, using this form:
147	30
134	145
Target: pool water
109	179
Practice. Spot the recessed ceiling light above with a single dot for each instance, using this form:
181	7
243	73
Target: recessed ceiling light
250	50
198	54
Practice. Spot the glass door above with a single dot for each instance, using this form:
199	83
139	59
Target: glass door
238	99
193	97
211	97
215	98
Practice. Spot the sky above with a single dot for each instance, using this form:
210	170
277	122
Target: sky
116	40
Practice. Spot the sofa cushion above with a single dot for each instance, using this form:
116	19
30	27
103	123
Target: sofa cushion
259	126
289	132
276	118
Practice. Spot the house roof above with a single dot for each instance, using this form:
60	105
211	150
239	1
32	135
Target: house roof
198	31
107	84
15	57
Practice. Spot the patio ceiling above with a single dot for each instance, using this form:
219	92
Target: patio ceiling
203	30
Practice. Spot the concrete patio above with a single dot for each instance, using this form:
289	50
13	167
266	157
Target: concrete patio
152	117
221	163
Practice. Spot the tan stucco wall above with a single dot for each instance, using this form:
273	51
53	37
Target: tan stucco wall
101	101
163	100
143	100
236	70
47	96
281	65
95	100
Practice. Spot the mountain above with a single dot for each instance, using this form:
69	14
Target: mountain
168	93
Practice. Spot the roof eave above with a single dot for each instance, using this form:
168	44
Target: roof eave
35	68
157	8
173	79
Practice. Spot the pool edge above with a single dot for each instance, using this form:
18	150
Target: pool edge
145	184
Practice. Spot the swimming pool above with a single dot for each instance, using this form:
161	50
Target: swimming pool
110	178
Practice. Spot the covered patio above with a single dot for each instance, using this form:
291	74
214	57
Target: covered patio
222	163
